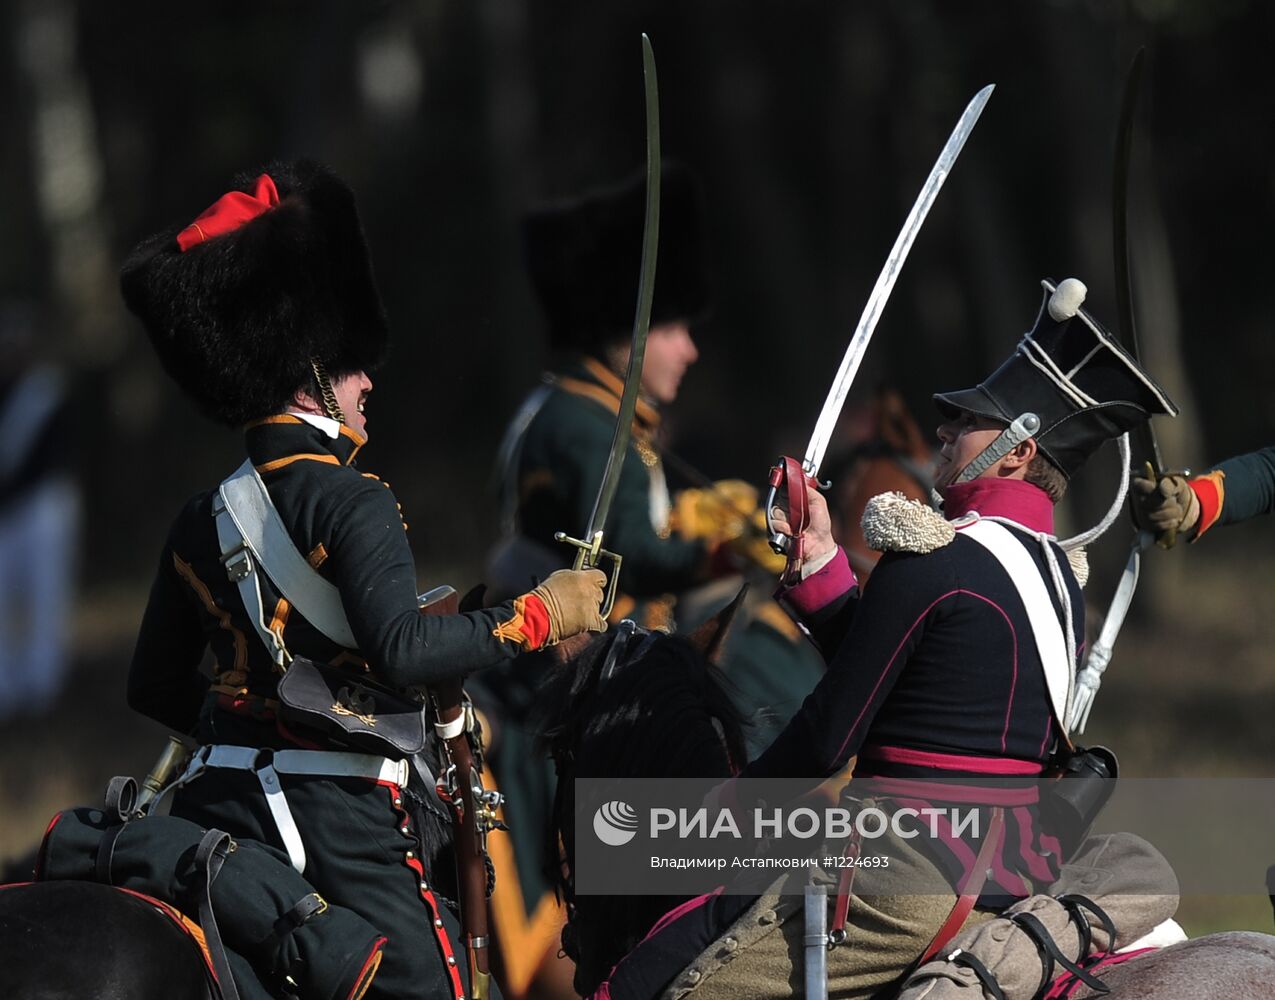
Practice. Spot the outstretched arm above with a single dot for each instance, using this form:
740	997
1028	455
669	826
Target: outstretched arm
1233	491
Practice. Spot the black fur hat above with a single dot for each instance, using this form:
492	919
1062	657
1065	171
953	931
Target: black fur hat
584	257
236	319
1070	372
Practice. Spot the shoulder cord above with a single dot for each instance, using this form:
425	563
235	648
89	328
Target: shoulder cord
1086	537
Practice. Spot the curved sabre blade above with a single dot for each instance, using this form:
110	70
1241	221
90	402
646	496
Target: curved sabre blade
885	283
646	291
589	548
1147	447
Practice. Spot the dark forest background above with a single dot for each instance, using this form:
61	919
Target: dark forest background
811	124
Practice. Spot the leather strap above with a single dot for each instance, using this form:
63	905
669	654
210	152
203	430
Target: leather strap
106	854
121	798
1047	628
1050	953
308	906
1076	905
247	511
278	805
984	974
854	846
267	766
210	855
970	890
789	476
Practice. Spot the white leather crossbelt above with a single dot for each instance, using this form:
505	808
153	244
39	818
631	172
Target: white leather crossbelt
268	765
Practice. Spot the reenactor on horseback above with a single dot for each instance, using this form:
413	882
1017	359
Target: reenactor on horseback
682	553
958	661
297	571
582	260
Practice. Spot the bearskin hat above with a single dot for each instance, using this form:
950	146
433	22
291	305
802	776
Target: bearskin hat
1070	372
584	257
236	318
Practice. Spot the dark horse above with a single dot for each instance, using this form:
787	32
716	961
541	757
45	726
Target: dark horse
70	940
668	715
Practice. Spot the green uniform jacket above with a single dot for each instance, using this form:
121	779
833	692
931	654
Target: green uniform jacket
558	467
1237	489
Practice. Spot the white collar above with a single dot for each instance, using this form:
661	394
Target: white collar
330	427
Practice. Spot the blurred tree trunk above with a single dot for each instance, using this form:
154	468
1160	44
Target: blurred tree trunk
68	173
512	114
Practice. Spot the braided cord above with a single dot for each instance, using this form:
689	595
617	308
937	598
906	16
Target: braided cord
324	382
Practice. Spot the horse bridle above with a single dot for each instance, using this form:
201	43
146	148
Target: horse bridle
630	644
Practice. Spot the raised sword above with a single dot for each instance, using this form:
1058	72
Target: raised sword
792	476
589	551
1089	679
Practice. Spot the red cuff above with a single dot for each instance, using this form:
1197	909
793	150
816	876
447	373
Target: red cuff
529	626
820	589
535	621
1210	490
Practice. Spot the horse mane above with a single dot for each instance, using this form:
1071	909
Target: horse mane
667	715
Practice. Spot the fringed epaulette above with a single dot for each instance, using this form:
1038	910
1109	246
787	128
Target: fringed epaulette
893	523
1079	560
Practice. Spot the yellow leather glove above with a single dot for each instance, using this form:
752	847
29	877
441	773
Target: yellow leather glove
1166	506
718	514
729	513
573	599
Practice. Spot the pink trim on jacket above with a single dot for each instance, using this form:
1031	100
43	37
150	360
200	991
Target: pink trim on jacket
603	992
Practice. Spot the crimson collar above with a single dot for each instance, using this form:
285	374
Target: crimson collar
1013	499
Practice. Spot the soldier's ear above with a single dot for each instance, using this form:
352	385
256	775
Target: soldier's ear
302	399
709	639
1021	455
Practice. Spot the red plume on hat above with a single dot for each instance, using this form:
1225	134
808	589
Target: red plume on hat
273	275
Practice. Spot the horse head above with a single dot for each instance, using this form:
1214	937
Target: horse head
631	703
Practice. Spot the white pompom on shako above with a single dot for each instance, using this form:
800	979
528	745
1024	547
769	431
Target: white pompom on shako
1073	375
893	523
1067	299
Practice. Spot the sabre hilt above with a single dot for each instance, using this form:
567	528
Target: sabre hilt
591	555
792	477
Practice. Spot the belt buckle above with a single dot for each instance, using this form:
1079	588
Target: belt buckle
238	564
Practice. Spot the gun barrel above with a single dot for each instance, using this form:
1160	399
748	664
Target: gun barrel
172	757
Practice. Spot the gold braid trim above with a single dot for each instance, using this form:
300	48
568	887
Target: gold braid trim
512	629
325	390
